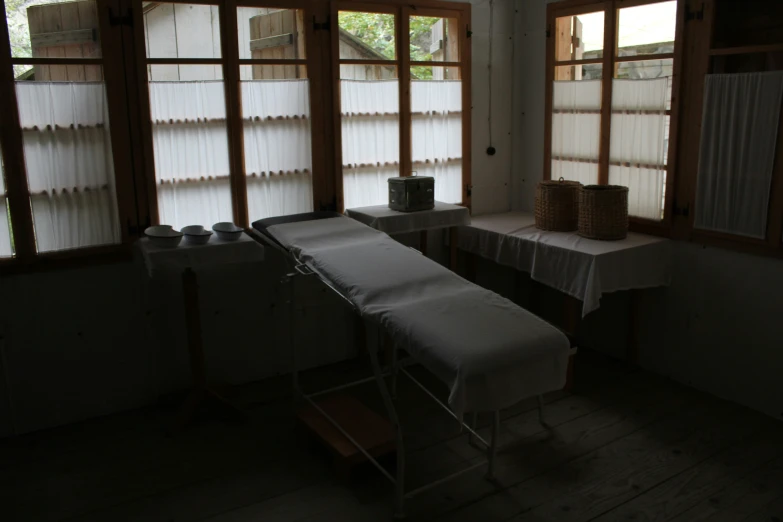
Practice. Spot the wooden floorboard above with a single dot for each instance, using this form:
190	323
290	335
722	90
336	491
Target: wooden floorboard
625	445
740	499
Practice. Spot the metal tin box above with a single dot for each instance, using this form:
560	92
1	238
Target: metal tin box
412	193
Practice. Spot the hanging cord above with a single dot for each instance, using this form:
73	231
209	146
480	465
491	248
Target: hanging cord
490	149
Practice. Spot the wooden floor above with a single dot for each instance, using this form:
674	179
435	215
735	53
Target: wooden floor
626	445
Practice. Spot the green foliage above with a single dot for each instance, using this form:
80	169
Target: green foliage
19	31
377	31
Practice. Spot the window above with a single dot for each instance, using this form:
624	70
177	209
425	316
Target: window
609	104
119	114
402	101
61	152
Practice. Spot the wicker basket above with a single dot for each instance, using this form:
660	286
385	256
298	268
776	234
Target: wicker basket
557	205
603	211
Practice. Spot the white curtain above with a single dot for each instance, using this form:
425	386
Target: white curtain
370	139
191	153
278	160
70	170
576	130
737	154
436	135
639	142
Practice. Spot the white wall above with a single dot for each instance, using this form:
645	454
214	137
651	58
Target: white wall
492	174
719	326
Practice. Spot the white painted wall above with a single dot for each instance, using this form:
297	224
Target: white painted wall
492	174
719	326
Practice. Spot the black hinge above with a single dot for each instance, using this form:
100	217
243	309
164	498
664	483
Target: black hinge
468	32
126	19
548	31
680	211
694	15
469	190
322	26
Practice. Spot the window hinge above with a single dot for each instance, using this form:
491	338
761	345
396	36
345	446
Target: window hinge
126	19
469	190
322	26
694	15
681	211
548	31
468	32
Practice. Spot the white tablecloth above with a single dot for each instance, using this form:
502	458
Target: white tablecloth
580	267
186	255
381	217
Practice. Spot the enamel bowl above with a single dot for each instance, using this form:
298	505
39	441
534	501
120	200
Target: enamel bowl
163	236
196	234
227	231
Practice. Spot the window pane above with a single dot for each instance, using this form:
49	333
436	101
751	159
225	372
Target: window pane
639	140
647	29
182	30
434	39
369	98
366	36
70	170
50	29
436	130
6	243
278	162
270	33
190	142
579	37
576	123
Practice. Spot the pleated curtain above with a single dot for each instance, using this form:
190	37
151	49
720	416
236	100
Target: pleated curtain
737	153
576	130
436	135
639	143
69	163
370	128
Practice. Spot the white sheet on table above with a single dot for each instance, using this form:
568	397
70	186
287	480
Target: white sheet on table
583	268
187	255
490	352
381	217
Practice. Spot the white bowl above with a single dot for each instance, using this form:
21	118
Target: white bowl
227	231
163	236
196	234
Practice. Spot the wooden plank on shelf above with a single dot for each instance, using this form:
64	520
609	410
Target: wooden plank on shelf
373	432
67	37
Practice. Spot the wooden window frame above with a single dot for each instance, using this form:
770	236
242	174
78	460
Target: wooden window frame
402	12
26	258
231	64
699	57
124	64
609	59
